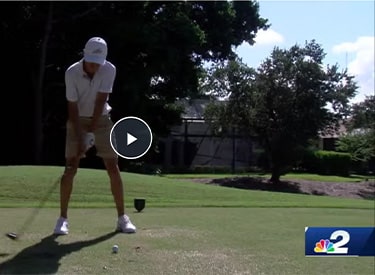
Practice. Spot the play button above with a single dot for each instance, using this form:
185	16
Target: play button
131	137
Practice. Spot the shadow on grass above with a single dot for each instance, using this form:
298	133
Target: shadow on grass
262	184
257	184
44	257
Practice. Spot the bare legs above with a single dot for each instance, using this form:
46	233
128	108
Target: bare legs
116	184
66	185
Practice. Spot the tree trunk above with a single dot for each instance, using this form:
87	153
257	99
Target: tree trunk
38	96
272	163
275	177
276	168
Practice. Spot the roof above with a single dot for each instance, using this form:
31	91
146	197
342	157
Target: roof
194	108
332	133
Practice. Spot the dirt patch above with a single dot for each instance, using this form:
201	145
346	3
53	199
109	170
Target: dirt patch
356	190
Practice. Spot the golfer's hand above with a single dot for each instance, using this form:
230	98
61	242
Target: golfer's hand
89	140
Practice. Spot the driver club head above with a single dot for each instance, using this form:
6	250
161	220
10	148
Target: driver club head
13	236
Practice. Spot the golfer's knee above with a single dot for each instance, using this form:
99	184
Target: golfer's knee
113	173
112	167
70	171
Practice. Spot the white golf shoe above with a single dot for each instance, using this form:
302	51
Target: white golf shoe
124	225
61	227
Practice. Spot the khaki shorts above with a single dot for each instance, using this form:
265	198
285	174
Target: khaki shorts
102	141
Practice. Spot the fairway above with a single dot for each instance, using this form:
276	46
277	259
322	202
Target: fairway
24	186
186	228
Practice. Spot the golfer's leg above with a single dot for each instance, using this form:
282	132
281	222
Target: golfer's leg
71	166
66	185
110	159
117	189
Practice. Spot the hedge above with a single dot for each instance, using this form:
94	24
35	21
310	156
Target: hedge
327	162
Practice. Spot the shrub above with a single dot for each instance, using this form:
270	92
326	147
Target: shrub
327	162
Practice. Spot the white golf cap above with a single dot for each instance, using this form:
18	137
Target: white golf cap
95	50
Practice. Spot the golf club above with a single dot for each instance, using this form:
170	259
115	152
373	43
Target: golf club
34	213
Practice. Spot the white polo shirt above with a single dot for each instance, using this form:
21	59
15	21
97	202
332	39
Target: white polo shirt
81	89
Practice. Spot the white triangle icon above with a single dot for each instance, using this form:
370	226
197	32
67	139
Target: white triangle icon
130	139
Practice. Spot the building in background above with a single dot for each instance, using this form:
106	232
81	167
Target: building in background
193	145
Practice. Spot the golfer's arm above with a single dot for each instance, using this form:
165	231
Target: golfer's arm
73	115
101	99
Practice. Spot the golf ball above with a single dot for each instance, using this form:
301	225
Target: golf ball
115	248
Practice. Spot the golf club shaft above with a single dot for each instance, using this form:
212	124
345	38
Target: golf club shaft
36	209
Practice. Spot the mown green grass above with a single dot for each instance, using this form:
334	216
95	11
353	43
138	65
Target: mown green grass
216	241
25	186
186	227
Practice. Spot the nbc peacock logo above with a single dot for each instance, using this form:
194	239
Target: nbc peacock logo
324	246
339	241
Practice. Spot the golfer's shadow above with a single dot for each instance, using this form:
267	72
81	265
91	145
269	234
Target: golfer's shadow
44	257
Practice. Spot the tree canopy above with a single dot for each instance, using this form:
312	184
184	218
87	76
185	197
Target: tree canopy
157	46
360	139
285	102
363	114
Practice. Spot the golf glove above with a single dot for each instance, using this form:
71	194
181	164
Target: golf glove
89	140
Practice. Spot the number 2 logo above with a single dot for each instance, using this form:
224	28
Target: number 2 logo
339	246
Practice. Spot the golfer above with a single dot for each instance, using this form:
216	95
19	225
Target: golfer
88	85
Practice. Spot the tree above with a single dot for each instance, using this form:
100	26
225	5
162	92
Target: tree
158	48
284	102
30	36
360	141
359	144
166	48
363	114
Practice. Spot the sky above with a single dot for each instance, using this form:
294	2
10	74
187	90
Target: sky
345	30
